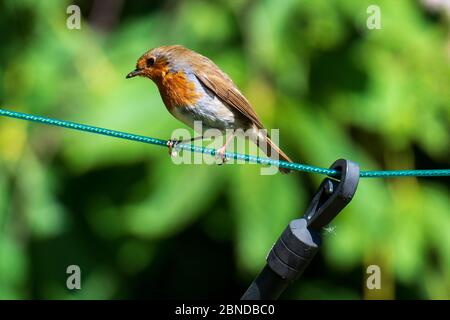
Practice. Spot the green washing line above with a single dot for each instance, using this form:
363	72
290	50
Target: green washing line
237	156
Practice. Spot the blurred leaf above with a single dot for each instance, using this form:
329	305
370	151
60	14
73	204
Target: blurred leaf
13	267
176	200
45	216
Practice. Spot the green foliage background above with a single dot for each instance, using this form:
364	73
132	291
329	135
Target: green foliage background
140	226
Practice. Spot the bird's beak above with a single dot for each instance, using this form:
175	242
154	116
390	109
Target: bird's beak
134	73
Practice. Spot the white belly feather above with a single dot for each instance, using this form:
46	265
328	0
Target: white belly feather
209	109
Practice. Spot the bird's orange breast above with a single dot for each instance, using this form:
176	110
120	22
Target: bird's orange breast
178	91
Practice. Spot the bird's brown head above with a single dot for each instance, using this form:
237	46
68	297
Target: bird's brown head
156	63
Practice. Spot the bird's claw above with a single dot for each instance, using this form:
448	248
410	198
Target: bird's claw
172	144
220	154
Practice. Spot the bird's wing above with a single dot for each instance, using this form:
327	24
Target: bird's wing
222	86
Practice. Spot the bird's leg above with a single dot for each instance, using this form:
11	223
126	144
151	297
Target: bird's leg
171	144
220	153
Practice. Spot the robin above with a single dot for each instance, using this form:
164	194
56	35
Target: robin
193	88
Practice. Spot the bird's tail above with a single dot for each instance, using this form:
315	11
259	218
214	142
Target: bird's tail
264	142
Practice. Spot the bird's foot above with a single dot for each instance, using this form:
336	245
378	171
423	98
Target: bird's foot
220	154
172	145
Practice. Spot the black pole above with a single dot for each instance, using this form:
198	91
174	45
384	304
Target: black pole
267	286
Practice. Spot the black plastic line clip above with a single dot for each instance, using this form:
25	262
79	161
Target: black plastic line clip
333	195
300	241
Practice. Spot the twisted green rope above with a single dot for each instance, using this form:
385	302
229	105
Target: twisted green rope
236	156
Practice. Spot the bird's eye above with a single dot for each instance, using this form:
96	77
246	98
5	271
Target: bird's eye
150	62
